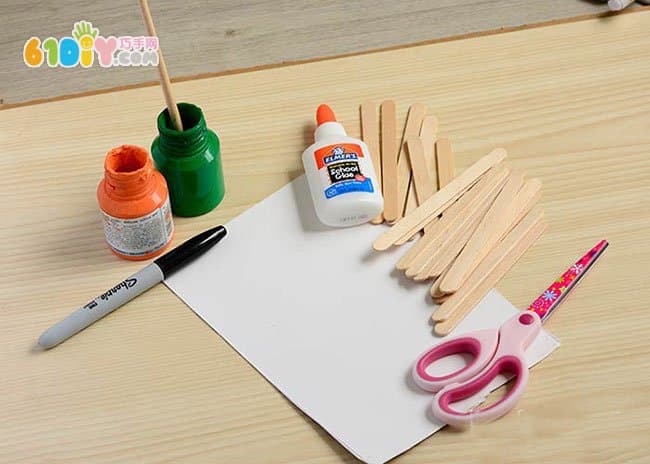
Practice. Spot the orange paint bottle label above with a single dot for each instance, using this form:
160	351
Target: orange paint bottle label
140	236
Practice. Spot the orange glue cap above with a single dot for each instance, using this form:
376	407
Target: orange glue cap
324	114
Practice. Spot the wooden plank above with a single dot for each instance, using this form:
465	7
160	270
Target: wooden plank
245	34
112	392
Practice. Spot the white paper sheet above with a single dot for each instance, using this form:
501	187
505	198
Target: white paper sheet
328	321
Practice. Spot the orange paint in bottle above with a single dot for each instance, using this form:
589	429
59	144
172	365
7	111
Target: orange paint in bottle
134	201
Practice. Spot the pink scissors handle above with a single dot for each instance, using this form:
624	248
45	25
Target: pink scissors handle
480	344
515	336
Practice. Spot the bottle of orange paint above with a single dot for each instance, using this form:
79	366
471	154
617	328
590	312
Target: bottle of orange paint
134	201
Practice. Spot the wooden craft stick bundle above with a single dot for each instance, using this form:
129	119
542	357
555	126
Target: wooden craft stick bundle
393	160
457	217
478	239
489	219
436	204
473	226
488	273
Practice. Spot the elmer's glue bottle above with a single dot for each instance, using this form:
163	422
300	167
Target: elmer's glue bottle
340	175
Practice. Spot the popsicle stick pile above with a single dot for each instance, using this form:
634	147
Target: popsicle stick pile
471	228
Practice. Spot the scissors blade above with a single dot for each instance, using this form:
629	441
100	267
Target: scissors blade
551	298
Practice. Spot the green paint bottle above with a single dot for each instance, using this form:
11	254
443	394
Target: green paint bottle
190	160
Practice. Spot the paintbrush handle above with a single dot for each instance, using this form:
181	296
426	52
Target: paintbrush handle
162	70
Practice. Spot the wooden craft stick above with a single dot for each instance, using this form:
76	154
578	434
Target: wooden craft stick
440	299
526	200
166	84
437	203
454	218
437	297
446	161
438	229
489	272
457	237
428	134
370	135
411	198
496	221
416	114
435	291
421	175
389	159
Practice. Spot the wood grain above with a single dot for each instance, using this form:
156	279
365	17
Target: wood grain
220	36
151	383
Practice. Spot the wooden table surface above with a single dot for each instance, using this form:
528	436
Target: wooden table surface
152	383
219	36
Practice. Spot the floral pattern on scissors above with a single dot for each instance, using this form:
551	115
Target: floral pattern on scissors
548	299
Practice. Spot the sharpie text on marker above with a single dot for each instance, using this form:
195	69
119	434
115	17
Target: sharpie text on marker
131	287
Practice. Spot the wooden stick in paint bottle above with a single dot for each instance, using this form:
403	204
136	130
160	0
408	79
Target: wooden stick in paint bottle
162	70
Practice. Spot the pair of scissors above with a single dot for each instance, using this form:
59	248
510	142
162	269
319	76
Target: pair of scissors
494	352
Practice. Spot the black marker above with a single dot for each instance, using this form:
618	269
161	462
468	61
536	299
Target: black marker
131	287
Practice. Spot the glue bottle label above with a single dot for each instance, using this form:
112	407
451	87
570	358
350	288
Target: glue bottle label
140	236
339	168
